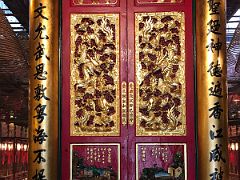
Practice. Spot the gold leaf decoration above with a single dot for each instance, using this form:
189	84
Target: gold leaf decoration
160	73
94	74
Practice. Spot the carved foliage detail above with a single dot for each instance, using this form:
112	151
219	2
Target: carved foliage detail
160	73
94	74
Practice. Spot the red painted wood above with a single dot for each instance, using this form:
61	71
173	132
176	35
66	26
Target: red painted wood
67	9
185	7
128	140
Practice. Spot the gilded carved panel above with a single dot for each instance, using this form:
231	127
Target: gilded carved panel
94	81
160	74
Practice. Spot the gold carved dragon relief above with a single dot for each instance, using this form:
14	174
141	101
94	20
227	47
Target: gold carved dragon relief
158	1
94	81
160	74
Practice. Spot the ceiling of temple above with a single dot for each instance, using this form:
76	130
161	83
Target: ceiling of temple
232	7
13	65
13	69
20	10
233	48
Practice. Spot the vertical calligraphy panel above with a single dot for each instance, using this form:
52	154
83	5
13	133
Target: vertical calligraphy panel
211	92
43	90
161	160
160	74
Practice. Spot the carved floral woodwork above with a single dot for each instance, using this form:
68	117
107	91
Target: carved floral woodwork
160	73
94	74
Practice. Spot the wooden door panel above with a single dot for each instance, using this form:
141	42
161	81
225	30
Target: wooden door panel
160	64
94	139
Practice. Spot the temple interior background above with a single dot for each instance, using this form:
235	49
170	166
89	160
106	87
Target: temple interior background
14	66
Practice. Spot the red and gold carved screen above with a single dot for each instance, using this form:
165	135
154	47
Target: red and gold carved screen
128	90
160	73
94	75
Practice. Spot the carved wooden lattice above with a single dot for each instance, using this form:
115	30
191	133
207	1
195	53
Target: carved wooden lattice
95	74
